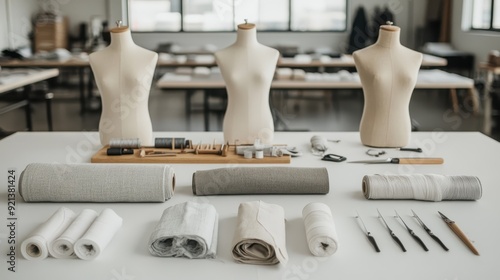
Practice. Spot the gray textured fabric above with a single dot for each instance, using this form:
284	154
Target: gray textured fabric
261	180
97	182
260	236
188	230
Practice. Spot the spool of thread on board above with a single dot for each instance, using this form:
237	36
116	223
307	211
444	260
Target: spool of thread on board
170	143
259	154
430	187
248	154
131	143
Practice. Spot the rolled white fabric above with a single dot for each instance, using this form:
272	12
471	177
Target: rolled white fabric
321	234
98	236
188	230
35	247
260	234
101	182
429	187
63	246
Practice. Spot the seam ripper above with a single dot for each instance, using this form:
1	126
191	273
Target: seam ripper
412	233
453	226
393	235
368	234
428	230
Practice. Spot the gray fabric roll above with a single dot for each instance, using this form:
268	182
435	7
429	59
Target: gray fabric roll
188	230
261	180
97	182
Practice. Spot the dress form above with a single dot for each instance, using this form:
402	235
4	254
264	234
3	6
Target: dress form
248	69
388	73
123	72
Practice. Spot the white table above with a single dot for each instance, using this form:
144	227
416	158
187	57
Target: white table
127	256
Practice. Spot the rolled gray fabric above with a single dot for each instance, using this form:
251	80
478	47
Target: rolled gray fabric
96	182
260	234
188	230
261	180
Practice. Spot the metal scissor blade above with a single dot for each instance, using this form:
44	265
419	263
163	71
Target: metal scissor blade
373	161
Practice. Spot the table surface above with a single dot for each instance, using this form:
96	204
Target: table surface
427	79
343	61
23	77
127	256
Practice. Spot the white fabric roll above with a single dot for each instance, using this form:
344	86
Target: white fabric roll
320	229
62	247
103	182
35	247
260	234
188	230
98	236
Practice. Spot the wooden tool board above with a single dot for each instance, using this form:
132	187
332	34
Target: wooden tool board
232	157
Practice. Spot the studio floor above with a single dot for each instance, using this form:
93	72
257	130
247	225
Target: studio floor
340	110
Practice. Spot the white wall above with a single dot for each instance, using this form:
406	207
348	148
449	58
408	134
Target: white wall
477	42
19	13
79	11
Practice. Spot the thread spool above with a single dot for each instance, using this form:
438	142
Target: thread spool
320	229
318	144
170	143
124	143
259	154
429	187
248	154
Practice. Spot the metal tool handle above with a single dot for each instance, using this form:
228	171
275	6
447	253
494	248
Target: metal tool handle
419	241
398	241
439	241
373	242
421	161
418	150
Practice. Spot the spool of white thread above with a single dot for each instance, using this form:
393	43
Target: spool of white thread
248	154
318	143
259	154
321	234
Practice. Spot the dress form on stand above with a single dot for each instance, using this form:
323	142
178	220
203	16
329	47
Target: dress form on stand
123	72
248	69
388	73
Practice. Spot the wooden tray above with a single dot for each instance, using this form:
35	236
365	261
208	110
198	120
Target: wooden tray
232	157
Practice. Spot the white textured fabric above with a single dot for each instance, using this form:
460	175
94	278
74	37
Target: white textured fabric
321	234
35	247
62	247
260	236
188	230
97	182
98	236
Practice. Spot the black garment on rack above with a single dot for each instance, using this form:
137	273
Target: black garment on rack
381	17
359	36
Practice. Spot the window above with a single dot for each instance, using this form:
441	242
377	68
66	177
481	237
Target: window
225	15
486	14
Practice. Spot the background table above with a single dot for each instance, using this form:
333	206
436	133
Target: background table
127	256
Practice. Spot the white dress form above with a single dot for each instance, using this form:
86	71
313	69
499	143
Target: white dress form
248	69
388	73
123	72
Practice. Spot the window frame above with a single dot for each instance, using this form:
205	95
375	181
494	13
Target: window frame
347	5
492	12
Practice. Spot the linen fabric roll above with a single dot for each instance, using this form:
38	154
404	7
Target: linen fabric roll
35	247
260	234
62	247
321	234
188	230
429	187
261	180
97	182
98	236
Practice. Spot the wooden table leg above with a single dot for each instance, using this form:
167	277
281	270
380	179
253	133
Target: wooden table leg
454	99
